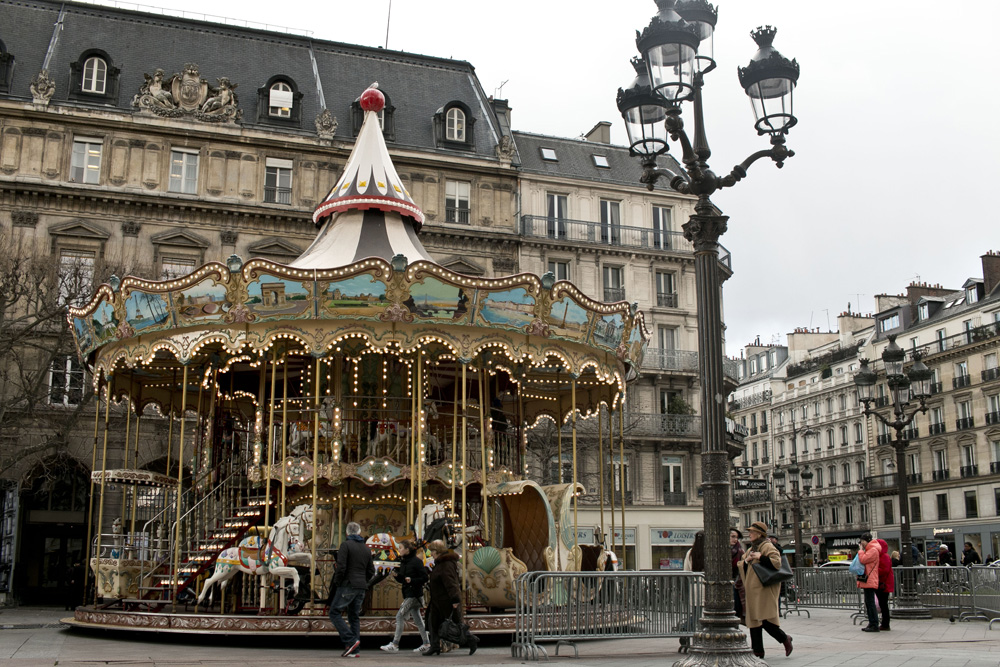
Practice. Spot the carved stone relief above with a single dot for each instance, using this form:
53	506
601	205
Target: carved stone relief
188	95
23	218
326	124
228	236
42	88
130	228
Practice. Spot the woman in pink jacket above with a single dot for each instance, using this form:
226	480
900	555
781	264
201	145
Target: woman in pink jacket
869	557
886	582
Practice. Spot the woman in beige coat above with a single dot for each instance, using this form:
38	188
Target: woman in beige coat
762	601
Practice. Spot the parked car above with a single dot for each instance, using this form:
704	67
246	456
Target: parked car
837	563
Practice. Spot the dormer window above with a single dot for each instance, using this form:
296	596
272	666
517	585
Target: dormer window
386	118
279	102
94	78
889	323
971	295
601	161
95	74
6	68
923	311
456	125
549	155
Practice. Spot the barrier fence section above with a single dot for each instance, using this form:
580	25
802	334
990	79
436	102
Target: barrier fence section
940	588
564	607
985	585
827	588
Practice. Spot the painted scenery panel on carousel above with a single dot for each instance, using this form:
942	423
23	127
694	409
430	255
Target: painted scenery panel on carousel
105	323
146	312
433	299
277	297
84	334
568	319
636	345
204	302
358	296
513	308
609	330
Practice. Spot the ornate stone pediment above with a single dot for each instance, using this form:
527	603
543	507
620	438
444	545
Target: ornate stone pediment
188	95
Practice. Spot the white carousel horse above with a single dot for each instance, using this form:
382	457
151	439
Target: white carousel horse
435	522
254	555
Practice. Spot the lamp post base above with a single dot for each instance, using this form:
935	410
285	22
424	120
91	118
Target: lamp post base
726	648
910	613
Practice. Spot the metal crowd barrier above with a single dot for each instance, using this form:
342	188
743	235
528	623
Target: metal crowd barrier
827	588
941	588
984	583
568	606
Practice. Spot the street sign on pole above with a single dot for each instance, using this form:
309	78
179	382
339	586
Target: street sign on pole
750	484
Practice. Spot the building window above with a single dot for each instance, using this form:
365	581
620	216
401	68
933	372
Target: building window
889	323
561	474
183	172
617	472
280	100
942	506
821	516
843	436
172	268
830	441
832	472
614	283
456	201
76	274
673	476
95	73
781	449
859	433
861	471
601	161
278	181
849	514
971	294
666	292
557	212
611	223
456	125
819	479
887	516
667	338
835	516
549	155
846	472
662	218
559	269
863	512
65	380
386	117
753	366
915	509
971	505
85	165
940	335
923	311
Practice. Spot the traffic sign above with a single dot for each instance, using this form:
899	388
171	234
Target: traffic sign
815	539
750	484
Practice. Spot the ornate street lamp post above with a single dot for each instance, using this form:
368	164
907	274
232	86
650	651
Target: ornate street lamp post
902	387
795	494
676	51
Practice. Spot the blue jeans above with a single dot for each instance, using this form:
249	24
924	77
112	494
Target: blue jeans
350	599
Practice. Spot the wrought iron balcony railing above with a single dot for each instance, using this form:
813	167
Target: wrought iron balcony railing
937	428
915	478
993	417
969	471
994	467
935	388
622	236
612	294
963	423
671	360
277	195
674	499
960	381
878	482
941	475
990	374
666	299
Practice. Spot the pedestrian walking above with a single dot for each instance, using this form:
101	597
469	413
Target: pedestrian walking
894	558
354	569
886	583
739	593
868	582
945	556
762	601
445	590
970	556
412	574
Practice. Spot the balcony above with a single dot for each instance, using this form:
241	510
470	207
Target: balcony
763	428
936	429
749	401
991	374
666	299
961	381
753	430
941	475
995	467
935	388
881	482
613	294
969	471
993	417
963	423
277	195
674	499
915	478
581	232
754	462
671	360
651	424
881	401
883	439
911	433
459	215
972	336
749	498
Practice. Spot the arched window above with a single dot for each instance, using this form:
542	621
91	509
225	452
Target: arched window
281	101
95	74
456	125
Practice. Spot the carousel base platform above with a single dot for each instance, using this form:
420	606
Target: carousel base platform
90	618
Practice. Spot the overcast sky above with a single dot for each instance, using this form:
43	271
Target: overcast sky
892	99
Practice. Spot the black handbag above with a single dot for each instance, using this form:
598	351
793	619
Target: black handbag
453	631
769	576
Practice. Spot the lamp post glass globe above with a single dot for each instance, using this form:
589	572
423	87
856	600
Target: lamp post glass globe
865	380
669	45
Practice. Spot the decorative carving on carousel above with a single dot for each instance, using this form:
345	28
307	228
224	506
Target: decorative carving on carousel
188	95
144	477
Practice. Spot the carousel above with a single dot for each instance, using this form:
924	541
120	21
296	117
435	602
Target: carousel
362	382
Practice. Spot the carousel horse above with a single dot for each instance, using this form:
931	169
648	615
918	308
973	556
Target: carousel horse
435	522
284	546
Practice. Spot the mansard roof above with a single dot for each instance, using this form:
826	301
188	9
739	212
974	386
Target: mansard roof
575	159
140	43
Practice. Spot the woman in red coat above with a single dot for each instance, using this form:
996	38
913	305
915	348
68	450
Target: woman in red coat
868	582
886	583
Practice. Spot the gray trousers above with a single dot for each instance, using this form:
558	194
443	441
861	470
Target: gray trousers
411	608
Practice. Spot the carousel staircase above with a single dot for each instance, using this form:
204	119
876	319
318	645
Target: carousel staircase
213	521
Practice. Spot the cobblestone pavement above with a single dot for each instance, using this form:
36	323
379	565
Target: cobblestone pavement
34	636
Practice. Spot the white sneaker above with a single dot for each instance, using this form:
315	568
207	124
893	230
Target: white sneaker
423	648
390	648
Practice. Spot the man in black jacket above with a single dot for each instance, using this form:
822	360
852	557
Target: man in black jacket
354	569
970	556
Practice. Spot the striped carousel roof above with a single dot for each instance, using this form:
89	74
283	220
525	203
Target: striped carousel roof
369	212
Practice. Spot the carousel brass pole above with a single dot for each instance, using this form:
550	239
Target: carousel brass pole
483	495
135	460
100	506
90	508
270	439
170	427
419	434
576	518
454	441
128	432
559	426
600	465
465	453
621	473
180	488
284	430
411	458
611	470
312	541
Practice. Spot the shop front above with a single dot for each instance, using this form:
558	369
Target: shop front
669	546
839	546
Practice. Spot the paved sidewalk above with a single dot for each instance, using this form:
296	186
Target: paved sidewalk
28	637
